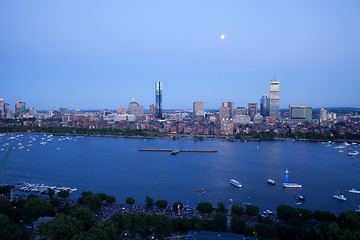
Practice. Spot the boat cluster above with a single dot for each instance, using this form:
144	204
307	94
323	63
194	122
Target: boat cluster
343	146
41	188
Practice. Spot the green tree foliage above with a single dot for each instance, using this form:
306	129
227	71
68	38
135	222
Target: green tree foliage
162	226
63	194
205	207
161	203
237	225
306	214
12	231
322	216
63	227
84	214
252	210
237	210
110	199
5	206
35	208
176	204
56	202
149	202
221	207
105	230
6	189
130	201
349	220
286	212
220	221
328	231
93	201
266	231
50	193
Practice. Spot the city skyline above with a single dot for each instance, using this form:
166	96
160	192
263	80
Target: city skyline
103	55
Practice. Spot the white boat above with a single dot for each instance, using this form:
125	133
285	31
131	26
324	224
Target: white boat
271	181
300	198
339	196
353	153
292	185
353	190
340	147
298	203
287	171
235	183
358	209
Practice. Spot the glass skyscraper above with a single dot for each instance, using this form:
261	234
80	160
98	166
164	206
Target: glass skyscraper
265	105
274	99
158	99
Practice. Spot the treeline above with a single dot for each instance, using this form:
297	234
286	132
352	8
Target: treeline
309	135
82	131
79	221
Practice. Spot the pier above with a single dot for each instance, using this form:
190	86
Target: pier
180	150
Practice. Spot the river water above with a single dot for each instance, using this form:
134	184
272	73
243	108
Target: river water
116	167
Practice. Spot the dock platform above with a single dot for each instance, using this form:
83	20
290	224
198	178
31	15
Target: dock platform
180	150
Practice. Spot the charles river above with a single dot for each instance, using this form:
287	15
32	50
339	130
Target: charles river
116	167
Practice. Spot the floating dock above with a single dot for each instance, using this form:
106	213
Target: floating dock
180	150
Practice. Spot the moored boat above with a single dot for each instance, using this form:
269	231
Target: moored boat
235	183
353	190
300	198
174	152
287	171
199	190
339	196
271	181
292	185
353	153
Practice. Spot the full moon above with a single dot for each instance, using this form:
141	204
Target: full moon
222	36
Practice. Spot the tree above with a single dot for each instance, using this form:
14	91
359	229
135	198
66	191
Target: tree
110	199
220	221
305	214
237	210
285	212
63	227
5	206
63	194
93	201
35	208
322	216
349	220
104	230
84	214
328	231
205	207
162	226
176	204
161	203
252	210
221	207
50	193
6	189
130	200
12	231
149	202
237	225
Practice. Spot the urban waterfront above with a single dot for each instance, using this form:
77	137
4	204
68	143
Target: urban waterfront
116	167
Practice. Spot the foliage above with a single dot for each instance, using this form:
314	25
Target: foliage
84	214
110	199
205	207
252	210
63	227
162	226
93	201
12	231
63	194
237	210
130	200
35	208
6	189
149	202
322	216
221	207
285	212
50	193
220	221
161	203
176	204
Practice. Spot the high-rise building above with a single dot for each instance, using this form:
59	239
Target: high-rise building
240	111
229	105
274	99
264	105
252	110
158	99
7	108
135	109
2	106
19	109
152	111
290	107
224	113
301	112
63	110
227	127
120	111
323	115
198	110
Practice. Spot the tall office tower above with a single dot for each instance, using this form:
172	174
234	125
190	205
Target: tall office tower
323	115
252	110
265	105
158	99
152	110
274	99
120	111
7	108
63	110
198	110
19	109
31	111
301	112
229	105
240	111
135	109
2	106
224	113
290	107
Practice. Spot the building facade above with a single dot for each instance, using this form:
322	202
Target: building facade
198	110
301	112
252	110
158	99
19	109
265	105
274	99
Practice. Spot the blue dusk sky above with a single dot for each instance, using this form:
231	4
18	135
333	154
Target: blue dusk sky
101	54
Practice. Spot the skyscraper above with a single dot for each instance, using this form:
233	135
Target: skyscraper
274	99
323	115
19	109
290	107
198	110
229	105
2	106
252	110
265	105
158	99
